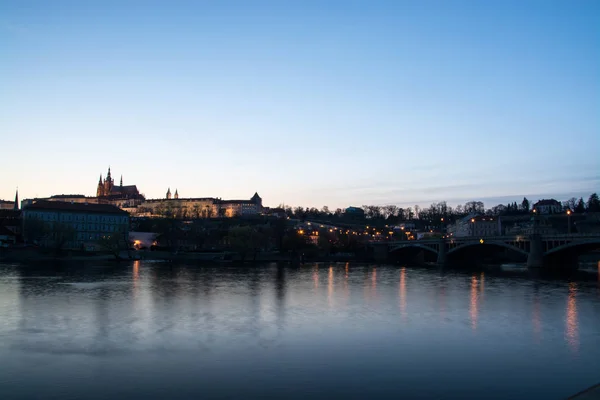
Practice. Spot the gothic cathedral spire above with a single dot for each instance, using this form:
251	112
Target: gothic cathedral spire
121	184
17	199
100	189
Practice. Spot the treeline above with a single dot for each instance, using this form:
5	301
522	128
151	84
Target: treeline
437	211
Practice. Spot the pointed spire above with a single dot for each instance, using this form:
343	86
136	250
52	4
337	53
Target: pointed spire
100	181
176	194
121	180
108	174
17	199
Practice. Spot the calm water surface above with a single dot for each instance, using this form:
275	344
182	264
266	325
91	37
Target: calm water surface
153	330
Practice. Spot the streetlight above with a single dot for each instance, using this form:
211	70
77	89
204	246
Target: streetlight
569	221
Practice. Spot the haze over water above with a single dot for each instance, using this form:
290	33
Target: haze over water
154	330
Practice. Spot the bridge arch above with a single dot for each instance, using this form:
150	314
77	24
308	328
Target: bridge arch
487	243
591	244
413	246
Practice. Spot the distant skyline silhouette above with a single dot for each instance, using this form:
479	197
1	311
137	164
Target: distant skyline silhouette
308	103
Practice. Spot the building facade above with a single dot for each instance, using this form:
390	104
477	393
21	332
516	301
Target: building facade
474	225
10	205
77	225
548	206
202	207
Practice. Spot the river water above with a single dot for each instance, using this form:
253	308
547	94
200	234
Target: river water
155	330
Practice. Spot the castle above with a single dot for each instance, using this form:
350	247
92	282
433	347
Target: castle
108	189
129	198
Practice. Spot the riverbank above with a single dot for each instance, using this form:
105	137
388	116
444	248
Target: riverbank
592	393
33	254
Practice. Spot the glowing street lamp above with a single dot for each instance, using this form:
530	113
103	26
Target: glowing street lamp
569	221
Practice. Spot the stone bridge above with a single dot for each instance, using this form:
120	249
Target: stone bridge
537	249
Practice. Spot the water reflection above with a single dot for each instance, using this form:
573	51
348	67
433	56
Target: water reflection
481	282
474	300
374	282
536	320
136	275
330	287
267	329
572	334
402	293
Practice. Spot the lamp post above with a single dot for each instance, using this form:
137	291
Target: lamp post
569	221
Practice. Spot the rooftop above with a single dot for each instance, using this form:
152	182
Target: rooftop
75	207
547	202
70	196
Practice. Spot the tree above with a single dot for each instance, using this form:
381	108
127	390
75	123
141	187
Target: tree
34	230
324	241
114	243
390	211
299	213
61	234
525	205
580	207
242	240
570	204
196	211
160	209
474	207
593	204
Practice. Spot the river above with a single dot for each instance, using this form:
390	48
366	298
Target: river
151	330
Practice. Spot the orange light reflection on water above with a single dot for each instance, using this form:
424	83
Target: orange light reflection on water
474	300
136	270
572	329
402	292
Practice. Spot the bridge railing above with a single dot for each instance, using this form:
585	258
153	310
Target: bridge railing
517	238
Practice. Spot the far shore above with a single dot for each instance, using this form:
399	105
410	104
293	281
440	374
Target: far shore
19	255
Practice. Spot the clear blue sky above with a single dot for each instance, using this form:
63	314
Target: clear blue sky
309	103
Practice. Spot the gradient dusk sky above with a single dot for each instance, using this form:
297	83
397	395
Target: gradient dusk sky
309	103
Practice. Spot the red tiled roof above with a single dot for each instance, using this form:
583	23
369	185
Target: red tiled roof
76	207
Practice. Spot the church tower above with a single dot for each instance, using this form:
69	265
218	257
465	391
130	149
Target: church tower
100	190
176	194
17	199
169	193
108	183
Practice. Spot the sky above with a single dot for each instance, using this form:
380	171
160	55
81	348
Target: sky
308	103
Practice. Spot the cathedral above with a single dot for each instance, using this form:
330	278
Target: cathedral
108	189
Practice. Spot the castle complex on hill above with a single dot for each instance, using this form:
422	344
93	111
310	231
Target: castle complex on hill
107	189
128	198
